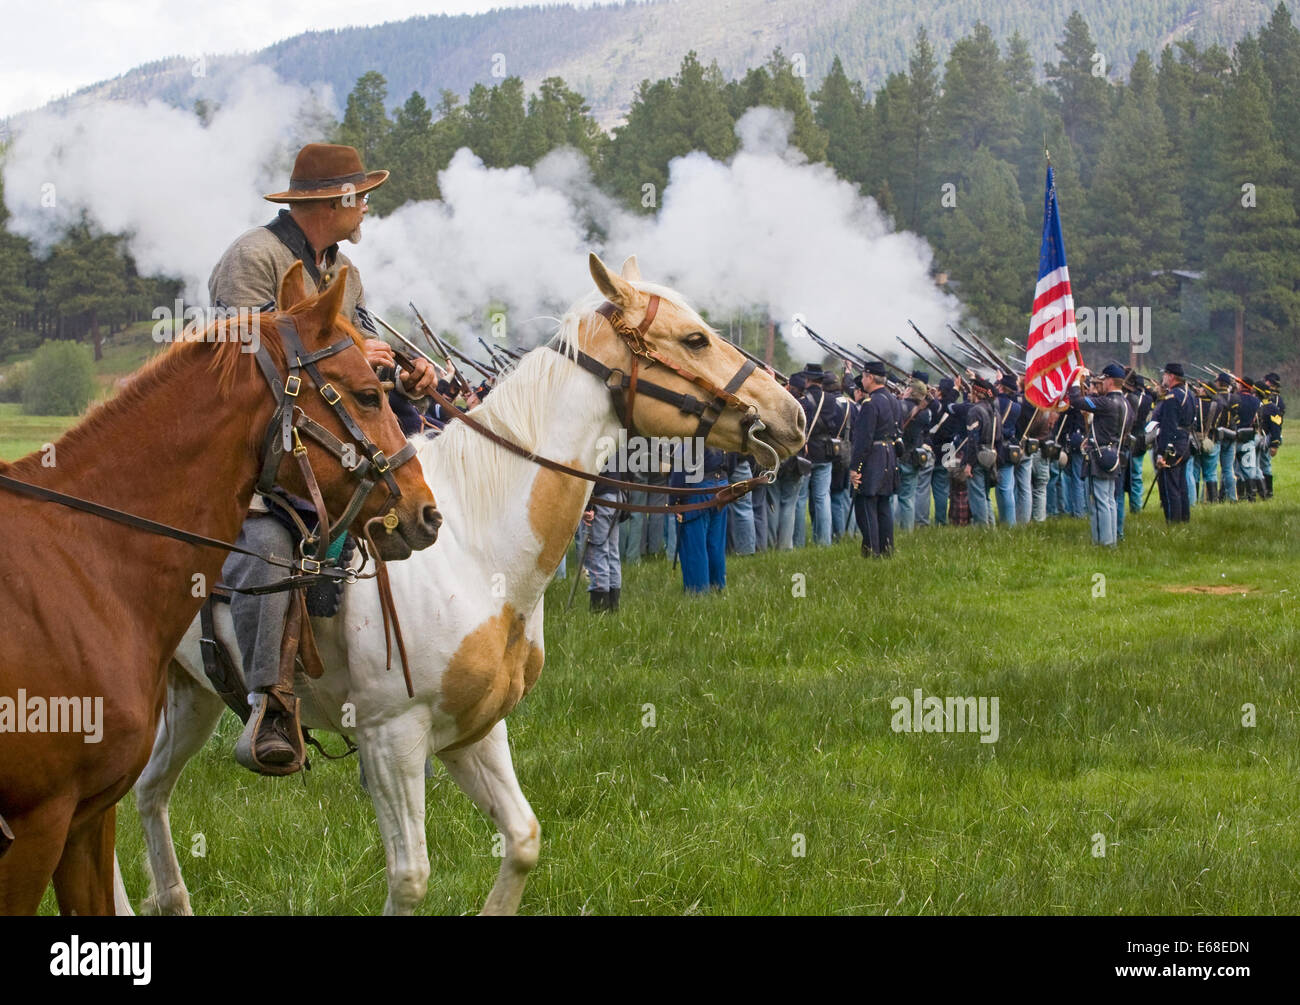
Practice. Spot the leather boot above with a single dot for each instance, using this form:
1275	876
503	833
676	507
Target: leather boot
266	745
1211	492
1250	488
1259	489
600	600
1268	486
612	604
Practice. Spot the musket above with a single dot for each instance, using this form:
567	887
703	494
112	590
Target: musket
1017	345
946	360
832	348
494	357
462	385
1006	367
447	350
897	369
758	362
918	355
406	342
984	358
1254	387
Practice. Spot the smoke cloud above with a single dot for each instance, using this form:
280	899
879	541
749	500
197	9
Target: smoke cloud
765	232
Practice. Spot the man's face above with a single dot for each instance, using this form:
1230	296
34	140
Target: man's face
346	215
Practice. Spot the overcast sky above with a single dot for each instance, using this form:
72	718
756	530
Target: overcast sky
52	47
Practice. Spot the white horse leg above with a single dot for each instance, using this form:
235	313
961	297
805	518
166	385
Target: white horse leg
486	773
192	714
394	753
121	902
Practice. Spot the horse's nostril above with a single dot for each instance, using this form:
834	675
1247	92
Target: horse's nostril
431	518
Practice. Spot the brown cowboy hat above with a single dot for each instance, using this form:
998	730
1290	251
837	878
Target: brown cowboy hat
327	171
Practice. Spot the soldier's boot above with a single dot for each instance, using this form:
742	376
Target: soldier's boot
600	600
271	743
1211	492
1250	488
612	602
1259	489
1268	486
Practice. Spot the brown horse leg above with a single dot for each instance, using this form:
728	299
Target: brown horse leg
83	881
26	868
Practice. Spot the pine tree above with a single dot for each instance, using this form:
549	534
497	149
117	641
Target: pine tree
975	110
88	280
1133	218
842	114
906	119
1252	243
1279	44
410	155
988	247
365	123
1080	83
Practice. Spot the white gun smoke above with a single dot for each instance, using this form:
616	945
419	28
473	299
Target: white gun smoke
765	233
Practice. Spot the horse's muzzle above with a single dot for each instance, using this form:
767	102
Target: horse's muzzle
414	532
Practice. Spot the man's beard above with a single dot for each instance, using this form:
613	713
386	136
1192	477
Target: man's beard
355	236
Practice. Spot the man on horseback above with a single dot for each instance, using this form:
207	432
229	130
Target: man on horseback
327	202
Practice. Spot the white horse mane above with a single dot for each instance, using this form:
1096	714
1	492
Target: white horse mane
518	408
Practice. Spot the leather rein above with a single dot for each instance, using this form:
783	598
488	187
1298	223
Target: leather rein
623	388
282	435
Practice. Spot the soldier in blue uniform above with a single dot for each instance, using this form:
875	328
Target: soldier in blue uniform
914	458
945	430
602	560
702	533
873	471
1272	411
1007	405
980	452
1247	431
1174	412
1112	418
1140	400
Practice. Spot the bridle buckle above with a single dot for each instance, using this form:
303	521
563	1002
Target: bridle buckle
292	385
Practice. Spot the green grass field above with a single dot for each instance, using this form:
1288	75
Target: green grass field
1120	715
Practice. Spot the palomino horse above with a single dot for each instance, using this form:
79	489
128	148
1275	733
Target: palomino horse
93	610
477	597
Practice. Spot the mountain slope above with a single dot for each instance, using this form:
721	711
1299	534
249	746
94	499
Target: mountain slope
604	52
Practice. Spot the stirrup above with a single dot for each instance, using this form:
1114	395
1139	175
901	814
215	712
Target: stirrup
245	748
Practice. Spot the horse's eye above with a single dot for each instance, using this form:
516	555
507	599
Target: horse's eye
368	399
696	340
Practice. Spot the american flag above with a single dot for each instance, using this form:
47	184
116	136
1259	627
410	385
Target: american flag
1053	354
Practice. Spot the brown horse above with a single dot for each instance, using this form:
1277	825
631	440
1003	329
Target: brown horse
92	610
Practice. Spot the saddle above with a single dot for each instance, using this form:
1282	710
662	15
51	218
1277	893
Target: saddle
298	653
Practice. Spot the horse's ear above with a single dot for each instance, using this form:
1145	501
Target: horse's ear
631	271
616	289
325	309
293	288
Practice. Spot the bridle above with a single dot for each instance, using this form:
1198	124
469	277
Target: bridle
633	336
361	458
623	388
282	434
